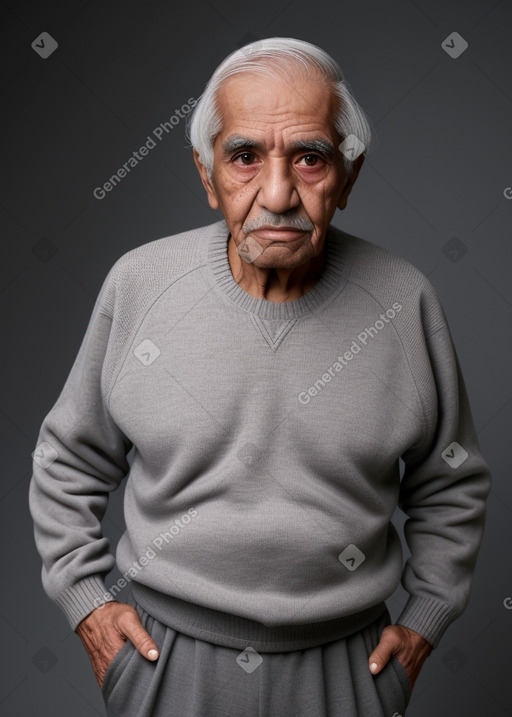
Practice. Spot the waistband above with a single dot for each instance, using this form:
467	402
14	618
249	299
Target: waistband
226	630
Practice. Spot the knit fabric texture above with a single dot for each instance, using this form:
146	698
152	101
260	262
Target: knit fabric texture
267	442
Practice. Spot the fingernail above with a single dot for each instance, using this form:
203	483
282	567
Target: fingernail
153	654
373	667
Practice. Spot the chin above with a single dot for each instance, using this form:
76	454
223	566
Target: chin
273	261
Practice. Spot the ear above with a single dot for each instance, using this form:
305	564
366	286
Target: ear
210	191
358	163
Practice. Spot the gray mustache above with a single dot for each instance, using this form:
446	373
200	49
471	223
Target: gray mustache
291	220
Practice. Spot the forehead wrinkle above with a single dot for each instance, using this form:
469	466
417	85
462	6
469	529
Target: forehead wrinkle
295	80
257	120
277	128
238	99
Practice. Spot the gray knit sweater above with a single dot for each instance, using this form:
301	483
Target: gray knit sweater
267	439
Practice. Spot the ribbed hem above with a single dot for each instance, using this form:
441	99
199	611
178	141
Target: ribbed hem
428	617
82	598
221	628
331	279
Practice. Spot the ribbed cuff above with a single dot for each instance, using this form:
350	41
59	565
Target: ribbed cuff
428	617
82	598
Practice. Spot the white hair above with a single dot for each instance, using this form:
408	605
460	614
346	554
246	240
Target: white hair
278	57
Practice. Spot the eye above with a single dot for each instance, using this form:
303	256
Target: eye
246	158
312	160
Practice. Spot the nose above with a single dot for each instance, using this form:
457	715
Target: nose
277	192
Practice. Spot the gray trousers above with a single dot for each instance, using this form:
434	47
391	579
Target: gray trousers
193	678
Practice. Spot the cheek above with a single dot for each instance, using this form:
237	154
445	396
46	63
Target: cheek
244	193
324	188
320	200
227	187
236	203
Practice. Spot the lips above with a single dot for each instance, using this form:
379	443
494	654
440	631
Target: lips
283	234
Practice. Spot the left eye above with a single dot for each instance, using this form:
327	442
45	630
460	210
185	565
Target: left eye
245	158
311	160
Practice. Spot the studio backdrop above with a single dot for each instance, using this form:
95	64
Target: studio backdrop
91	87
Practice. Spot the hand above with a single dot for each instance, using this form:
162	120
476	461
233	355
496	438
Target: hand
104	632
408	646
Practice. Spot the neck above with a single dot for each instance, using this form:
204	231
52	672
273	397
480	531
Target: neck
278	285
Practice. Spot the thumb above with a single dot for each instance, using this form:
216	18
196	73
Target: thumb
382	653
132	629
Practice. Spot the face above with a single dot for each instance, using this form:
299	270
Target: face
278	174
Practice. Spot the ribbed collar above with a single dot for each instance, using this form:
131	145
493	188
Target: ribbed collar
331	279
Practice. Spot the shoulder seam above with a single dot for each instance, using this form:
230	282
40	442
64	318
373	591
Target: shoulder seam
404	352
136	328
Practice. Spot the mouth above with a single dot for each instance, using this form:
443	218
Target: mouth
286	234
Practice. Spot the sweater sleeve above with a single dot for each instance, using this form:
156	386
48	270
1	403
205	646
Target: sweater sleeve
80	456
443	493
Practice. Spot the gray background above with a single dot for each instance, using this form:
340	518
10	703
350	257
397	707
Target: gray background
433	189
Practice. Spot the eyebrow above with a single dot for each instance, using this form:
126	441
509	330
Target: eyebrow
236	142
323	146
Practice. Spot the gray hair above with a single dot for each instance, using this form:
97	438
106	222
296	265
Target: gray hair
276	56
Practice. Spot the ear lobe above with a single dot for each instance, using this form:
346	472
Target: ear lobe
358	163
207	184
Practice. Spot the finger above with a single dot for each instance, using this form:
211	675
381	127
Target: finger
381	655
132	628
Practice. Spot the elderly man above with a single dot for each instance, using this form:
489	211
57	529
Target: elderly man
269	371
